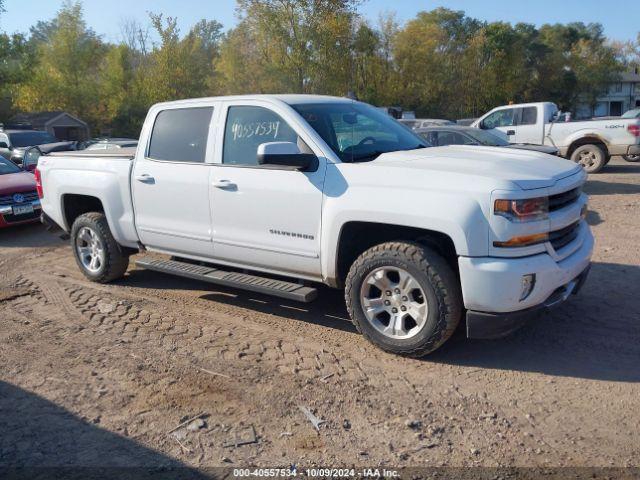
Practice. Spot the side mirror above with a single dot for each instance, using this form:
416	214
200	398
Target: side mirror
285	154
30	159
4	145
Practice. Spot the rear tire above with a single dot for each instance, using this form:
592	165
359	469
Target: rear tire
591	157
390	284
631	158
97	253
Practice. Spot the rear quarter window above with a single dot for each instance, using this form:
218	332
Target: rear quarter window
529	116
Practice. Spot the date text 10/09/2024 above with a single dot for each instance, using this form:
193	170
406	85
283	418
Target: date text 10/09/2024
316	472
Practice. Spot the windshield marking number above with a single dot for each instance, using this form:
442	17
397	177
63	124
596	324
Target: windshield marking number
255	129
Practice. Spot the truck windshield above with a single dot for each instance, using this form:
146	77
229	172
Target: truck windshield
358	132
31	138
7	167
486	138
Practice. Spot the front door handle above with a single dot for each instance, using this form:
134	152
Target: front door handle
511	132
225	184
145	178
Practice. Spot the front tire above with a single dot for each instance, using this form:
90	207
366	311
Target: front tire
631	158
591	157
404	298
97	253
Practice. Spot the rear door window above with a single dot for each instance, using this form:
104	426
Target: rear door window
180	135
529	116
453	138
431	137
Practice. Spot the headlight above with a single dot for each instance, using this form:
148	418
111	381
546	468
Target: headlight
525	210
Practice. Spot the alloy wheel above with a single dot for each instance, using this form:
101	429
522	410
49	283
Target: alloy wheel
393	302
90	249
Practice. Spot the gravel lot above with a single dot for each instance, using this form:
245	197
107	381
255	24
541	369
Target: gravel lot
95	375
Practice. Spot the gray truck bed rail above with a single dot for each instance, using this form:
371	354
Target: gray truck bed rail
125	153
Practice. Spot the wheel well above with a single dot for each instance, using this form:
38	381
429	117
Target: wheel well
75	205
587	141
357	237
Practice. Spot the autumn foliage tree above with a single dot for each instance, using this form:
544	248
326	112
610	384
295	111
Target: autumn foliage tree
67	73
440	63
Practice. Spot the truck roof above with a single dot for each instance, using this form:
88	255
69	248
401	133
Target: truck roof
530	104
291	99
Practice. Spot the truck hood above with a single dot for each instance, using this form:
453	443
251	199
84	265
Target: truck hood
527	169
16	183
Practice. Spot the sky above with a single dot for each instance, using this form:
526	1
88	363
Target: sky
619	17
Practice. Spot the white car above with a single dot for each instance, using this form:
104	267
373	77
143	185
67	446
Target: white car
303	190
591	143
416	123
109	143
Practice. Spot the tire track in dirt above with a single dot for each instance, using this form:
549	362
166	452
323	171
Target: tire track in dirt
132	321
516	406
228	339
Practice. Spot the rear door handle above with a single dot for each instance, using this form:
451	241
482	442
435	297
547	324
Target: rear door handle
511	132
225	184
145	178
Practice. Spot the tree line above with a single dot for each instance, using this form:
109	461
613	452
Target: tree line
442	63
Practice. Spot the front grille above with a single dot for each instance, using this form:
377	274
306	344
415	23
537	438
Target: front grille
11	218
561	200
564	236
31	196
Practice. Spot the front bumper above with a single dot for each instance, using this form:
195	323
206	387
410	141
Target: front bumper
483	325
492	286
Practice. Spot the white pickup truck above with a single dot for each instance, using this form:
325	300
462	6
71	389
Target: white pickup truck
590	143
277	193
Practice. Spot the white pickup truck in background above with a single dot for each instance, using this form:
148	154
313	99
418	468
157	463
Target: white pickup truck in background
302	190
590	143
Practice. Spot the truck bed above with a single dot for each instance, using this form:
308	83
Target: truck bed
103	175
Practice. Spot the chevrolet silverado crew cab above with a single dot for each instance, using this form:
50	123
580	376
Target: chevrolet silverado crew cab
278	193
591	143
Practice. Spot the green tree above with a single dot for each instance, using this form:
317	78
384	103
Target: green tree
66	75
441	63
430	57
17	58
290	46
374	77
180	67
577	64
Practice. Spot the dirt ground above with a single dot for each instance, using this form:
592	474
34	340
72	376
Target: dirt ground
100	375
